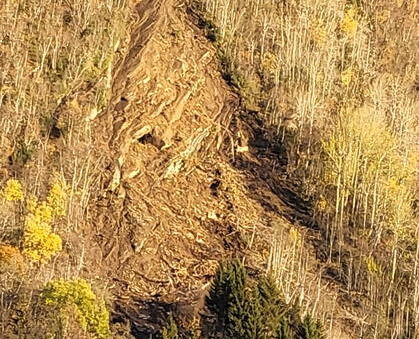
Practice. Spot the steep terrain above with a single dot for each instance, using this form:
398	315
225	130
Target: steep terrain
191	180
169	174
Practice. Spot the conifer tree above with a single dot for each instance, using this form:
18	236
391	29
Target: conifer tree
283	330
217	299
310	329
227	299
248	309
274	309
253	316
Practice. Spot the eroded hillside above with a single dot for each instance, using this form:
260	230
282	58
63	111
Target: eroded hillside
190	181
167	173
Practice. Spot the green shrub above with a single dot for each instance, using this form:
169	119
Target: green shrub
170	331
77	294
22	154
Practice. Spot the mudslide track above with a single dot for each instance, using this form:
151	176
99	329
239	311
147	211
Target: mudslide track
172	203
150	15
115	120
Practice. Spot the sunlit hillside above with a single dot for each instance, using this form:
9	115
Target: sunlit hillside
209	169
338	81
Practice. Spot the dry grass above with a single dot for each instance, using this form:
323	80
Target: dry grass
337	82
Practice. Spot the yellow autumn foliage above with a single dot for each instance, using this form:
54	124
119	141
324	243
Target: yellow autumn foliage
269	62
43	213
321	203
318	32
349	24
372	267
39	242
77	294
31	203
12	190
347	76
295	236
57	198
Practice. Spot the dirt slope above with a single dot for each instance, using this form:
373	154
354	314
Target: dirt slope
189	180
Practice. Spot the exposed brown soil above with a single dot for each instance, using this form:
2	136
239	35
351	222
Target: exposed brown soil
178	196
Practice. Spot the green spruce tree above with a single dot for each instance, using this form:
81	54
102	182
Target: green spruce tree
274	309
227	299
283	330
248	309
253	320
310	329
